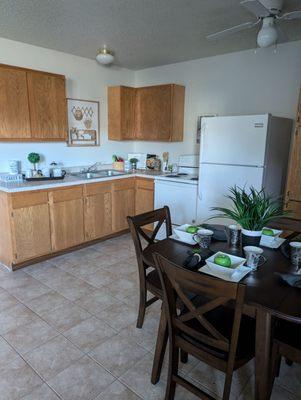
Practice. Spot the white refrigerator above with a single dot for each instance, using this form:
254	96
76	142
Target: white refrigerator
243	151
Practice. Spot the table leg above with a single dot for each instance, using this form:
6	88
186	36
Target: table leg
262	354
160	349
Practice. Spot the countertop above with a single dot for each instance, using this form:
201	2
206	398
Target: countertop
71	180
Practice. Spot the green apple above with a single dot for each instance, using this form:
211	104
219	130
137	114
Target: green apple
268	232
192	229
223	260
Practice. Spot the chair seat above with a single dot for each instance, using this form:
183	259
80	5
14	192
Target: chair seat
153	283
222	319
288	333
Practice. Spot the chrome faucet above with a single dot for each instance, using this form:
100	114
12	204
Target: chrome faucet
92	167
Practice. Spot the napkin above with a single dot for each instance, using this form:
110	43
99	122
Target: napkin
292	279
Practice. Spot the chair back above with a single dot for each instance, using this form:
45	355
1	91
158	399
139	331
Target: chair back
180	284
136	224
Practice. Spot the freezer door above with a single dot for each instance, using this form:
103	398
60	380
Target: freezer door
181	198
214	184
239	140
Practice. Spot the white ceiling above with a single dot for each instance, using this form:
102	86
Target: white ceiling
143	33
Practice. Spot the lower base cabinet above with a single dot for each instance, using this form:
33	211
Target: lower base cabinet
39	223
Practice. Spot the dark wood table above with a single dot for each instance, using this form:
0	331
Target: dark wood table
266	295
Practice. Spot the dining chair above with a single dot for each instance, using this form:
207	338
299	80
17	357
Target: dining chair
142	238
286	343
207	328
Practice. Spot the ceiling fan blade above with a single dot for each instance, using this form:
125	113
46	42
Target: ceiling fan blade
291	15
255	7
234	29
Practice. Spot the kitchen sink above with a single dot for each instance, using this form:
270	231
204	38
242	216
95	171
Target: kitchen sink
98	174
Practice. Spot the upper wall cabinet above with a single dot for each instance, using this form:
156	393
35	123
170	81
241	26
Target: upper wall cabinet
32	105
47	104
14	109
121	103
149	113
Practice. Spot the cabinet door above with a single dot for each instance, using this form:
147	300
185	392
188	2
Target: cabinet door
144	197
67	218
294	185
121	103
31	228
47	103
123	203
14	110
98	211
153	113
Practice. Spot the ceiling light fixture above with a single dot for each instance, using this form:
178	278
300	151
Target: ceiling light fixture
267	36
104	56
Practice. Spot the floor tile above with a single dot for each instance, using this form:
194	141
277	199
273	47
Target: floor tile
12	280
99	278
98	300
140	336
47	302
7	300
118	354
73	289
17	379
41	393
122	287
290	378
26	337
13	317
42	271
83	380
118	317
117	391
65	316
278	393
29	291
52	357
7	353
89	334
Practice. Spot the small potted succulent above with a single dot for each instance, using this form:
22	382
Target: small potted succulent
34	158
134	162
251	209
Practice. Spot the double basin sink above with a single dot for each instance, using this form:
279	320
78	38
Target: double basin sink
98	174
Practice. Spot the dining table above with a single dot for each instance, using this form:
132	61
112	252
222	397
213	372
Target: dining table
267	296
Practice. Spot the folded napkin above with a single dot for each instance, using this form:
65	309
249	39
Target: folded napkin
291	279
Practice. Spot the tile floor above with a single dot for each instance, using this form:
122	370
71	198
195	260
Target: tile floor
67	331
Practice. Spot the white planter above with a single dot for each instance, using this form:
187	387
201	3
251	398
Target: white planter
251	233
251	238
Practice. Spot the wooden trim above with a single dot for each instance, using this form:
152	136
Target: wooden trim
25	199
31	70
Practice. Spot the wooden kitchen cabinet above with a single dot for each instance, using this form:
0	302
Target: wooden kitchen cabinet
121	112
147	113
14	108
144	197
66	217
123	202
47	102
293	188
30	225
32	105
98	210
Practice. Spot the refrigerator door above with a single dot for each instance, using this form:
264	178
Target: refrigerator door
214	184
239	140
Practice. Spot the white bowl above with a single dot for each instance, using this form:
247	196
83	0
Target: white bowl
236	262
267	240
184	236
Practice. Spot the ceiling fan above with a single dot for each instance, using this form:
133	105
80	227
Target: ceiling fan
269	14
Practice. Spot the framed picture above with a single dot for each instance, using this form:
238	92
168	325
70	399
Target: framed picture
83	122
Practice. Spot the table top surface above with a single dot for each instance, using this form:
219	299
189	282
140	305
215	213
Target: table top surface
264	287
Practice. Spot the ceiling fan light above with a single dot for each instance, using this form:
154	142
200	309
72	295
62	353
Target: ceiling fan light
267	36
104	56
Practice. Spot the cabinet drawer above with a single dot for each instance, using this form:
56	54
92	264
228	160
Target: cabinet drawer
145	183
121	184
97	188
27	199
66	194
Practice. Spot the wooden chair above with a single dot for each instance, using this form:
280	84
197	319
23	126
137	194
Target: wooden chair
217	335
148	281
286	343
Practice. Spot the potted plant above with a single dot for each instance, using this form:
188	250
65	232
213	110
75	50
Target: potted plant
252	209
34	158
133	162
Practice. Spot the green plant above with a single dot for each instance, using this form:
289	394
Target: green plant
252	209
133	160
33	158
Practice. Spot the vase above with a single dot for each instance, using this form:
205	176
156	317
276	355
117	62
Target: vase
251	238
